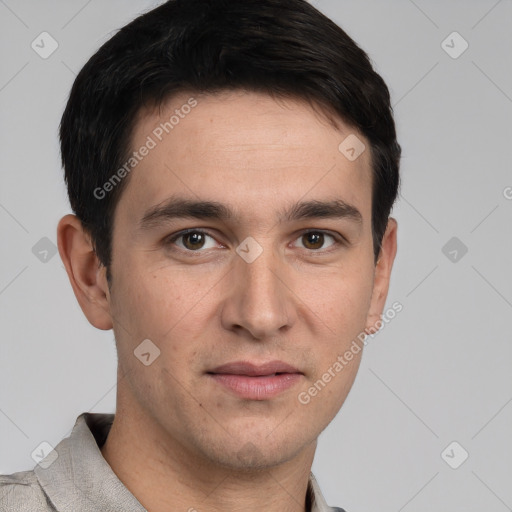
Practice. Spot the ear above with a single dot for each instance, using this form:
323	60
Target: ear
86	276
382	276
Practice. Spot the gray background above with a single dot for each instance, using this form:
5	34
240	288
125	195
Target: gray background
439	372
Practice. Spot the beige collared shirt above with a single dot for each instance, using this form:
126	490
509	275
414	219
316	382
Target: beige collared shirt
75	477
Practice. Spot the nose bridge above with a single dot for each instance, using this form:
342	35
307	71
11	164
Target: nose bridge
260	302
261	276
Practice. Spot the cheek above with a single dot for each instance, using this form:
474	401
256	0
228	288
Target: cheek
340	301
152	302
168	307
151	305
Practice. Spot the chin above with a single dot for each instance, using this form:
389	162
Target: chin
255	452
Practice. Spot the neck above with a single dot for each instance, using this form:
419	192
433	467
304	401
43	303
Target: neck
162	473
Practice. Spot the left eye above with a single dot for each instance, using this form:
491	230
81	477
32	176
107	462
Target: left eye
314	240
193	240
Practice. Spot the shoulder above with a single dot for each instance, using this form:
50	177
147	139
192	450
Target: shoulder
21	492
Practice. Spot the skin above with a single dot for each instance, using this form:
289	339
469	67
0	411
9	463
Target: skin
179	438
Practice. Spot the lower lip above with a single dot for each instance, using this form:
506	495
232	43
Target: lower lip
257	388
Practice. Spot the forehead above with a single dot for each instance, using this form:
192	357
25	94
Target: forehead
247	150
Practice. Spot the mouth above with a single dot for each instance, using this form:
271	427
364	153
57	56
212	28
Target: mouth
256	381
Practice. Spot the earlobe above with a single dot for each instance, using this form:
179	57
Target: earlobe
82	266
382	276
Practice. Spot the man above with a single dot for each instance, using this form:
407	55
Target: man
232	166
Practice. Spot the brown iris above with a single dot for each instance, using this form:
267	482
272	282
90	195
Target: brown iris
194	240
313	240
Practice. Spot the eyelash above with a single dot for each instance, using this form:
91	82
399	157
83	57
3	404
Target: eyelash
339	240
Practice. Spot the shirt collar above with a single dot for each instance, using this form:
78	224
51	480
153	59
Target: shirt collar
81	480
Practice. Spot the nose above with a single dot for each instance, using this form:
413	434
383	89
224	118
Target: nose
260	302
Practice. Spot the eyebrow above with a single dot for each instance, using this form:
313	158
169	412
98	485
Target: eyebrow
182	208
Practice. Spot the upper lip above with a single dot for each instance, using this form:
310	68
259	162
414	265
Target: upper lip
253	369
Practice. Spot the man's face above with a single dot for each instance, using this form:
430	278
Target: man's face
284	295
